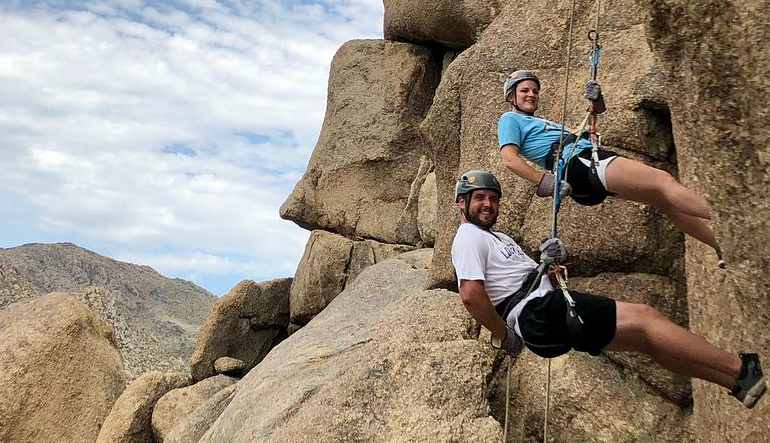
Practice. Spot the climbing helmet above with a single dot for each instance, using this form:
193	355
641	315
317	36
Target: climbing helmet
515	78
475	180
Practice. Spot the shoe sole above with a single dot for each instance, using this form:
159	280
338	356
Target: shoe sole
755	393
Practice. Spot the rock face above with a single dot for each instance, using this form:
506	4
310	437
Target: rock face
666	296
178	403
329	264
155	318
244	324
192	427
60	372
426	211
723	144
591	400
461	127
130	420
451	23
384	361
359	177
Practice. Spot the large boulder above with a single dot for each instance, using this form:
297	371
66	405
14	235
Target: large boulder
130	420
329	264
384	361
720	108
244	324
60	371
177	404
451	23
461	127
361	172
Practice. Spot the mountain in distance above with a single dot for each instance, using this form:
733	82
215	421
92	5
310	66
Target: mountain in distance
155	318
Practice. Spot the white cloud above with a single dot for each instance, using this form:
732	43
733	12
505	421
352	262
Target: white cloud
166	131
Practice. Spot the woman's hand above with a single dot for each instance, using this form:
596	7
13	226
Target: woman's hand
545	187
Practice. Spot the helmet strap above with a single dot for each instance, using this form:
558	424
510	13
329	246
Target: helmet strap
516	105
467	211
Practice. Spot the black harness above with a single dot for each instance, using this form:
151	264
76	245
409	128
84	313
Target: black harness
506	306
597	193
573	320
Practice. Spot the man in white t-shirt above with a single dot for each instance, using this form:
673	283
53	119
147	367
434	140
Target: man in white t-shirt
496	280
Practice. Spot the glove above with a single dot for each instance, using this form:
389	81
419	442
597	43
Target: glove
512	344
594	95
552	251
545	187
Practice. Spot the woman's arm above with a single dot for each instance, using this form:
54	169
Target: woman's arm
513	161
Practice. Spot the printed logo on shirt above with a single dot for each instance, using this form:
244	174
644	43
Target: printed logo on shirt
551	126
511	250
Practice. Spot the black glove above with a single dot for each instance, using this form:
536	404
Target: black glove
552	251
512	344
594	95
545	187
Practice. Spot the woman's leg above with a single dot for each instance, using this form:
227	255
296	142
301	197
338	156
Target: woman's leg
633	180
641	328
693	226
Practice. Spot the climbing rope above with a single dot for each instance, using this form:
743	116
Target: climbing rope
507	398
556	164
574	322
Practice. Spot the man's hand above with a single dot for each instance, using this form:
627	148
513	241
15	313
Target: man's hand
512	344
545	187
593	93
552	251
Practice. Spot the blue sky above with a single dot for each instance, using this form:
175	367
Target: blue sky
166	133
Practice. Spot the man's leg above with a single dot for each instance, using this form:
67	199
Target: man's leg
641	328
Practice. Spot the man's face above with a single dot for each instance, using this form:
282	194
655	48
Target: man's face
527	96
483	207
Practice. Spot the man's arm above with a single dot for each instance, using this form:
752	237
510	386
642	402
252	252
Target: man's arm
476	301
513	161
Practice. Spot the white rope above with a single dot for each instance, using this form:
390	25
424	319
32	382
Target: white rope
547	403
507	398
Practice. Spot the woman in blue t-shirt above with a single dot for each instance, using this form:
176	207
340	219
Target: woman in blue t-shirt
522	135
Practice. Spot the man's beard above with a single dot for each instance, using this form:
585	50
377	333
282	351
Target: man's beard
473	218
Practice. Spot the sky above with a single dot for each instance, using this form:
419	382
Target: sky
166	133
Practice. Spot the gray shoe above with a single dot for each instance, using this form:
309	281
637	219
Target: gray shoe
751	383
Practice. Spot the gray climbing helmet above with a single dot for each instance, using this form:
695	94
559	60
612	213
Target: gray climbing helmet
517	77
475	180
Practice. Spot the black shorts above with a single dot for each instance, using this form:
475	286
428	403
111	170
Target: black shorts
587	190
543	323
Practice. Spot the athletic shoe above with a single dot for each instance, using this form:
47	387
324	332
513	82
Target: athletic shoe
751	383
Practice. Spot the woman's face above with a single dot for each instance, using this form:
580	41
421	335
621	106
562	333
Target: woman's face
527	96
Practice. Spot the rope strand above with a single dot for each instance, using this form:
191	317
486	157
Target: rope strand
556	188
